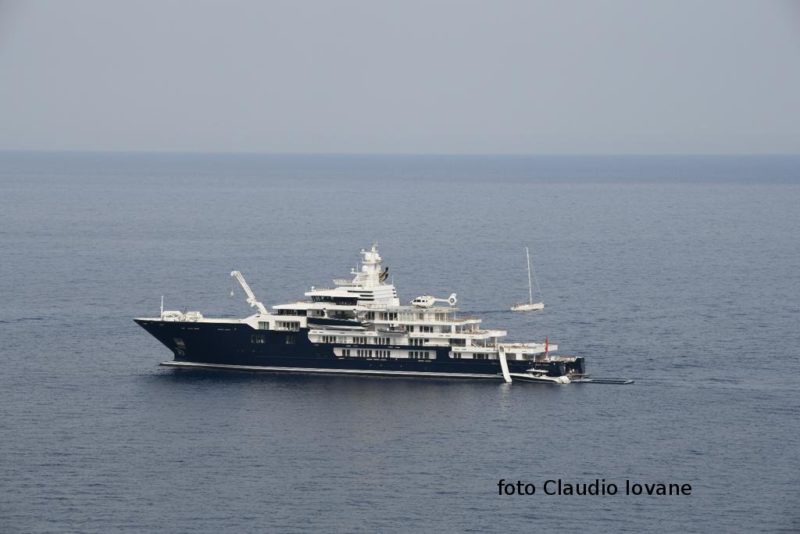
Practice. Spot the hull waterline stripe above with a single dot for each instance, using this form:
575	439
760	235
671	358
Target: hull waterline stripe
327	371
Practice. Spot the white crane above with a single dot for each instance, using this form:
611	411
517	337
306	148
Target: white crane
251	298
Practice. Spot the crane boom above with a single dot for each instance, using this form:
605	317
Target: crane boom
251	297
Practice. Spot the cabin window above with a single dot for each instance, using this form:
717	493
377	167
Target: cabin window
290	340
258	339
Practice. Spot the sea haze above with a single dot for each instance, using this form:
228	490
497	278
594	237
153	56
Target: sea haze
681	273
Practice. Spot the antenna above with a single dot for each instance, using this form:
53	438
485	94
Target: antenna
162	306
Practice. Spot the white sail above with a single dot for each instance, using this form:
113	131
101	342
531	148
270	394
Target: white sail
530	305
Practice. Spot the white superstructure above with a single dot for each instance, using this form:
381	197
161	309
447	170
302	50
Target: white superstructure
379	319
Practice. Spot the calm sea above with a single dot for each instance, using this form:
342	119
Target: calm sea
681	273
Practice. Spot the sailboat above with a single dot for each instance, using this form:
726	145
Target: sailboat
530	305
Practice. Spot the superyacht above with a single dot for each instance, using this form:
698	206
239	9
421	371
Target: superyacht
358	326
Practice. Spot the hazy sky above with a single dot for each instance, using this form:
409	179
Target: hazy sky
406	76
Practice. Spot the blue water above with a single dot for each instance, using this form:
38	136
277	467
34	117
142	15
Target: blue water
681	273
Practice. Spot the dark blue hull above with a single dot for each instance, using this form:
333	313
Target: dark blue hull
238	346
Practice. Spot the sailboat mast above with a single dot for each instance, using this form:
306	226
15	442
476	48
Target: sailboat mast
530	285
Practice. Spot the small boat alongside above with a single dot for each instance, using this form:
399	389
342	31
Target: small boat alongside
540	378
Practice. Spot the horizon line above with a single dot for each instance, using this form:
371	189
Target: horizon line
393	154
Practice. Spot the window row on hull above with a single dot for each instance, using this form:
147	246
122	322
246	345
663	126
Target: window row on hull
343	352
385	353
